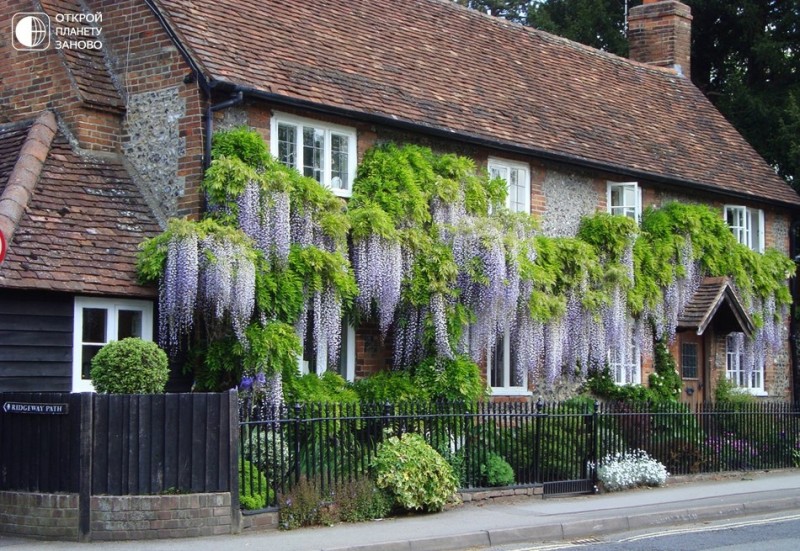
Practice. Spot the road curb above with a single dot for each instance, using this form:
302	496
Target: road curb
581	528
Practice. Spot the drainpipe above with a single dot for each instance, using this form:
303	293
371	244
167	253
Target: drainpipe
793	325
235	99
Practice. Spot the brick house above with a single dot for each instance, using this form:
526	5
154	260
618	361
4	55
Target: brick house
572	129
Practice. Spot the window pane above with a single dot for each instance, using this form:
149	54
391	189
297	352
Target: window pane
339	162
498	357
689	360
313	152
88	352
516	191
499	172
94	325
287	145
343	351
129	324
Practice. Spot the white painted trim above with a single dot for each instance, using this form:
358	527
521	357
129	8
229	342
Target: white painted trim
518	165
112	306
637	198
322	357
328	128
748	214
521	390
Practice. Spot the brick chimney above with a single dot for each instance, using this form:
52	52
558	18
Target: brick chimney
660	33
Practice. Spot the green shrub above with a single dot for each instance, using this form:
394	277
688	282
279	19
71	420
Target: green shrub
665	383
389	386
330	388
414	473
302	506
130	366
726	392
497	471
360	499
254	492
458	379
267	450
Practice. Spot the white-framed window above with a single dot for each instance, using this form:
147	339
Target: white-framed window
747	225
502	372
317	362
625	364
518	182
98	321
735	367
322	151
625	199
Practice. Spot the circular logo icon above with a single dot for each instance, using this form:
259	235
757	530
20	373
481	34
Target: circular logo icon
30	31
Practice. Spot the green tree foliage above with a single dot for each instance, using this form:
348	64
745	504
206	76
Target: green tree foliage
596	23
745	58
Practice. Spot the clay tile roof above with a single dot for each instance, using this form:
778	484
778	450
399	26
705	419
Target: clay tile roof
712	293
434	64
87	66
82	225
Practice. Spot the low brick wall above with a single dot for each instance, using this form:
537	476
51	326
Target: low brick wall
149	517
117	518
262	520
52	516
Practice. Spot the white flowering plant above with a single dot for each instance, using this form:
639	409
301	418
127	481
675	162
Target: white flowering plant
621	471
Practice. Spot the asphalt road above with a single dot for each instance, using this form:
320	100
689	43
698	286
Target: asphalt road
772	533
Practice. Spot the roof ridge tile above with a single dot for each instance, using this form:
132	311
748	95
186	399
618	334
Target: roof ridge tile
25	174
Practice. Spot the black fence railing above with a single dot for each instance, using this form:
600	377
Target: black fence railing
555	445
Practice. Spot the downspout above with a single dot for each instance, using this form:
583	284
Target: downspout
795	288
234	100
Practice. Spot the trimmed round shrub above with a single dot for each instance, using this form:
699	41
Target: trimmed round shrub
130	366
414	473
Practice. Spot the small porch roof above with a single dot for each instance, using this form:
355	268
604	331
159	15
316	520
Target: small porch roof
715	294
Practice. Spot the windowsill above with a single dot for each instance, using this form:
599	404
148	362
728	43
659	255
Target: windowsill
344	193
511	391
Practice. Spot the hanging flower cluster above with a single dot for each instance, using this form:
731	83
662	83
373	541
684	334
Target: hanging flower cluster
177	291
272	247
264	217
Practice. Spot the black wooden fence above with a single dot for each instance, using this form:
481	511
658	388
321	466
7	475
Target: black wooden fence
40	452
118	445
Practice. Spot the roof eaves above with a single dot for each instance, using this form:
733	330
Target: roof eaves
25	174
497	144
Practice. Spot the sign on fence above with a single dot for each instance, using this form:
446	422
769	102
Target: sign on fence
38	409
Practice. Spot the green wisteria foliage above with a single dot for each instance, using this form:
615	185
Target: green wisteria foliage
427	250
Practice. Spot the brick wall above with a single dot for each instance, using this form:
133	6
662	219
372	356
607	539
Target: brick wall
116	518
52	516
162	141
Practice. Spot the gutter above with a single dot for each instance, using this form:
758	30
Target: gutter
494	144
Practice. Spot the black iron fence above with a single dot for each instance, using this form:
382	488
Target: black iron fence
554	445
